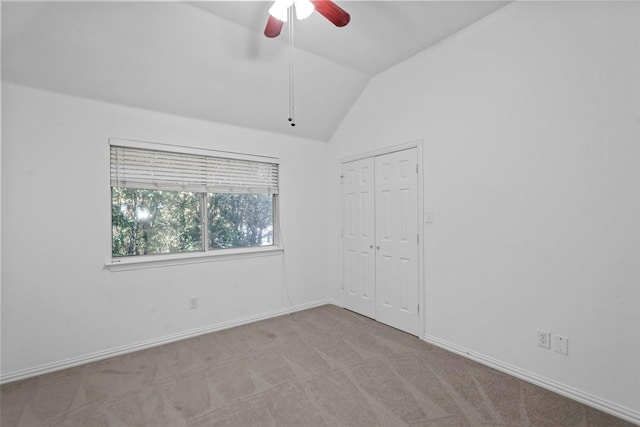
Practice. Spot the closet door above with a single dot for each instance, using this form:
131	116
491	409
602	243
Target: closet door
358	252
396	225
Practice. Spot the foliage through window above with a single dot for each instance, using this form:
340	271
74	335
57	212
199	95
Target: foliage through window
167	202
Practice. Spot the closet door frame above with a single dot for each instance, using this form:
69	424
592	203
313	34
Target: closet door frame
417	144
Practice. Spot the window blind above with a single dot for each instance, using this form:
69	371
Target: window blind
164	170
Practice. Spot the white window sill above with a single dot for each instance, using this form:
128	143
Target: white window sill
152	261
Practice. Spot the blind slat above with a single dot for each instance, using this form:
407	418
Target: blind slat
163	170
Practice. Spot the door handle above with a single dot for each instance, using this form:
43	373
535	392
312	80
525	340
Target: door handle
378	247
370	246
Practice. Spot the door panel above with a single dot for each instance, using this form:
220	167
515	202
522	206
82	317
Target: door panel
380	239
396	223
358	237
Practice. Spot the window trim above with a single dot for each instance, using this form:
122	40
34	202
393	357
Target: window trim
206	255
165	260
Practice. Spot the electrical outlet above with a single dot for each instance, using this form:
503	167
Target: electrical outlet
543	338
193	303
561	344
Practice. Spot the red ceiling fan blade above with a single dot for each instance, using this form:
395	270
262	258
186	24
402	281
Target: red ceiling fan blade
332	12
273	28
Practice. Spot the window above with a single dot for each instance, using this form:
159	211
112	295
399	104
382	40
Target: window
169	202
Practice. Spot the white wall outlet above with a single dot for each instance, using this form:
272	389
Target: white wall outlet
193	303
561	344
543	338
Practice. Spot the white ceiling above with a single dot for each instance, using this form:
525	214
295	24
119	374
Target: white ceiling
211	61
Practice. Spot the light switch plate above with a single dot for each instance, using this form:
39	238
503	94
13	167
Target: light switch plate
428	216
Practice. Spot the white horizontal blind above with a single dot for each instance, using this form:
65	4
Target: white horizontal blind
164	170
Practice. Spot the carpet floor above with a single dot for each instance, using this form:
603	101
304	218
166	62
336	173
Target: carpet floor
320	367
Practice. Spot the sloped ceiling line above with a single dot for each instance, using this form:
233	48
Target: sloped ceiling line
210	60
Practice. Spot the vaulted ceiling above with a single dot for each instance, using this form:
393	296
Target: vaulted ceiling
211	61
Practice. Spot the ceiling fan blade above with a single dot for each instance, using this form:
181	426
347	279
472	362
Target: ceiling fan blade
332	12
273	28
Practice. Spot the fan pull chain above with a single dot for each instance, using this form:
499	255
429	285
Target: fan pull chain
291	71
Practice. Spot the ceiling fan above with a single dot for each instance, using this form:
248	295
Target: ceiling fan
327	8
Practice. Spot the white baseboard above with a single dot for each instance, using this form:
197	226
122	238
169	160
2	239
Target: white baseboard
142	345
564	390
546	383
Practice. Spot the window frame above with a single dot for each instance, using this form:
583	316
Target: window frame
115	263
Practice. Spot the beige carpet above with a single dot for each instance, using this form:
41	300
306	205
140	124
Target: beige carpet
320	367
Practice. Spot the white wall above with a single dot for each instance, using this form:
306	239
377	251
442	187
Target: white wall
59	303
530	121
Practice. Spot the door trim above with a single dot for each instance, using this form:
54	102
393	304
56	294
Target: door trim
417	144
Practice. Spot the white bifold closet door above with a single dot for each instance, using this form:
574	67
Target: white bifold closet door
358	237
380	238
